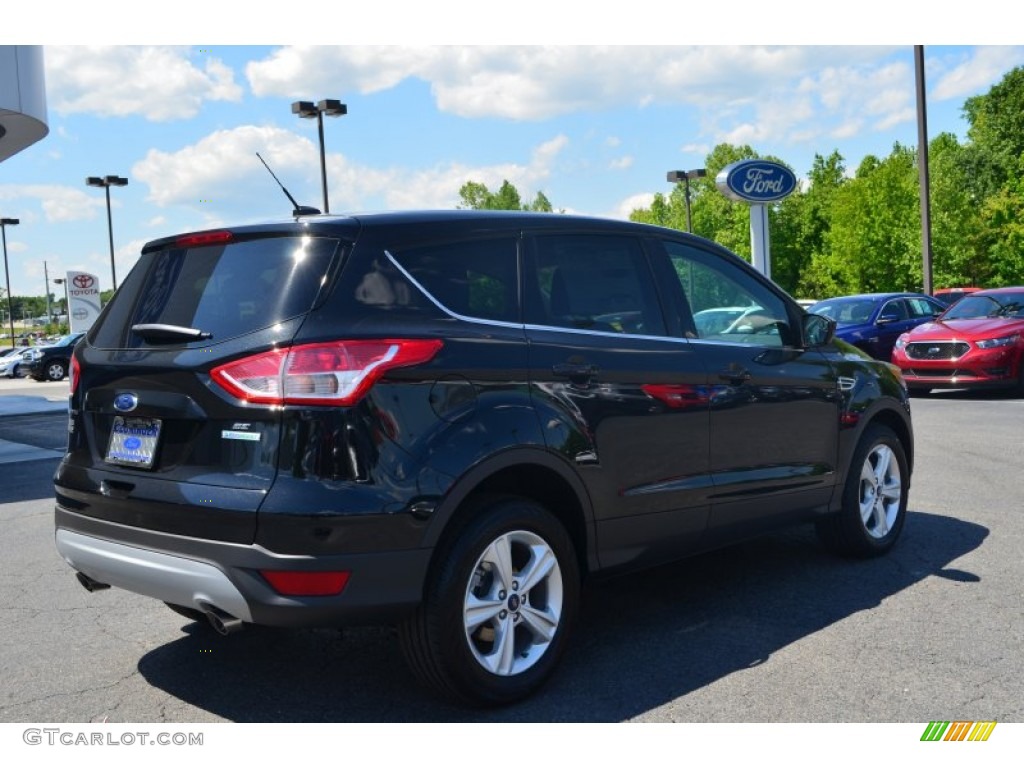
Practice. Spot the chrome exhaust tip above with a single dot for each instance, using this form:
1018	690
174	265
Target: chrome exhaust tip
224	623
90	584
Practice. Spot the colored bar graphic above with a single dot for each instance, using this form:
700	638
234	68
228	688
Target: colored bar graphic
944	730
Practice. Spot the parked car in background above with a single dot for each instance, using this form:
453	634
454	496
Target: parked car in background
50	362
950	296
719	319
873	321
449	421
976	343
10	362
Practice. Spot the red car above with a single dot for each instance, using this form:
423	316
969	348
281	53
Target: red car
976	343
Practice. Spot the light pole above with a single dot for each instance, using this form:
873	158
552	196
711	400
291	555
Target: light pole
685	176
67	304
107	182
332	108
4	224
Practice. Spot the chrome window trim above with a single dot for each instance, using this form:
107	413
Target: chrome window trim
442	307
522	326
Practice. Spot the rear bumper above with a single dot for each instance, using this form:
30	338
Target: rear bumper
204	574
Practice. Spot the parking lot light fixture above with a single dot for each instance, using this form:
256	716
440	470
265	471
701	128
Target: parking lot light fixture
684	176
107	182
331	108
4	224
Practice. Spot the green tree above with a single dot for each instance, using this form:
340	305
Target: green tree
876	225
476	196
958	254
996	132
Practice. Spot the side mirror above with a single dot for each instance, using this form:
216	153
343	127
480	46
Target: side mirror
886	319
818	330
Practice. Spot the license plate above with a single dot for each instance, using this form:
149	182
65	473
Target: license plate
133	442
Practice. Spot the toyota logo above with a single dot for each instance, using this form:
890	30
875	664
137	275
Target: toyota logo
83	281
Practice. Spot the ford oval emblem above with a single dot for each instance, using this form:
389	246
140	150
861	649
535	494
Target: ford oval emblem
125	402
756	181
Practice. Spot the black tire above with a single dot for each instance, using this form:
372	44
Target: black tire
473	663
56	370
874	504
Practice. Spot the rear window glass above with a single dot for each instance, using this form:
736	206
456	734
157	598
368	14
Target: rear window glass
226	290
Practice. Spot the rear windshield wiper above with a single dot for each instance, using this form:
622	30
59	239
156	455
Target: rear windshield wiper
160	333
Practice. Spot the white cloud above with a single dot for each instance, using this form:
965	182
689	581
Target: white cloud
157	82
984	68
539	82
58	203
621	163
223	167
630	204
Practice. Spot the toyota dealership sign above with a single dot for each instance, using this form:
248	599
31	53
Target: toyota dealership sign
83	300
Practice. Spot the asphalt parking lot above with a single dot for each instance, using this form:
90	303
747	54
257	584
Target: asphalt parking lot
774	630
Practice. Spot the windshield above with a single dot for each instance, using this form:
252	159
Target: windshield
845	311
997	305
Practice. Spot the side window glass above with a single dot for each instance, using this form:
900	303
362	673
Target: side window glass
922	308
475	278
592	283
895	309
725	303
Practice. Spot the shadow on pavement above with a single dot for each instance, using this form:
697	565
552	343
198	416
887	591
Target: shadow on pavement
643	640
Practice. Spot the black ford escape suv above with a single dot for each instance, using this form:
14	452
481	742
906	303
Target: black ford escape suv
449	420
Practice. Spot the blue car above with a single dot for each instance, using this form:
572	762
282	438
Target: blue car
873	321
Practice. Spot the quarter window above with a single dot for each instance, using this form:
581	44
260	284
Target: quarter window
474	278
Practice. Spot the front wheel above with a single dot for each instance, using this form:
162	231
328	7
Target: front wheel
56	370
874	504
498	606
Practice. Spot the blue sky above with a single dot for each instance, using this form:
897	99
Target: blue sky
595	127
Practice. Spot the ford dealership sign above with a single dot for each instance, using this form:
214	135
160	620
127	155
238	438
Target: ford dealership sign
756	181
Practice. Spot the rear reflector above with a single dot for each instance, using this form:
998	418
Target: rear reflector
328	373
307	583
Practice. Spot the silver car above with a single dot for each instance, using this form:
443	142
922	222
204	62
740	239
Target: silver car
10	362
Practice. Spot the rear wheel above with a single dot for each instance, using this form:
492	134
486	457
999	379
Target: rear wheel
874	504
498	606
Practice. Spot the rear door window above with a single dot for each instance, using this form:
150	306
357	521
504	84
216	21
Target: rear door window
226	290
593	283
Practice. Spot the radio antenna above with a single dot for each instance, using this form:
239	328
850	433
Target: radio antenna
300	210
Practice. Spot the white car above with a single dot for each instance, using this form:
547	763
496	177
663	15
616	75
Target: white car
10	362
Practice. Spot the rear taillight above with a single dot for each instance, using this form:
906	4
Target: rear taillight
74	374
328	373
306	583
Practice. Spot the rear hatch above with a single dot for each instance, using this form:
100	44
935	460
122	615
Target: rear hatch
154	441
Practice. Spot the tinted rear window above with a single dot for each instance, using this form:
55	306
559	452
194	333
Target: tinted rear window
227	290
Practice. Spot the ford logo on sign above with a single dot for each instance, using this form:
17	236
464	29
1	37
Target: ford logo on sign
125	402
755	181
